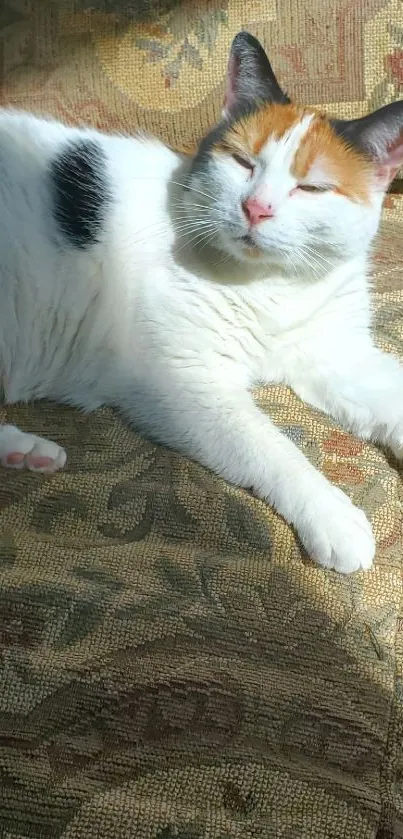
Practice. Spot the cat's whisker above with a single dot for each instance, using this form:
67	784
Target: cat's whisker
194	241
315	261
209	239
188	214
189	211
195	228
163	227
309	262
317	254
187	186
300	258
188	217
199	236
184	185
225	258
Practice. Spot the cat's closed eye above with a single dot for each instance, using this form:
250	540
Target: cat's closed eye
313	188
242	161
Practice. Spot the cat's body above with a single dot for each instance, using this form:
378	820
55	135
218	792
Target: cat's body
127	278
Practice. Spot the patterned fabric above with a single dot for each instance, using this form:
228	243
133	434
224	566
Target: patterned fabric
161	63
171	664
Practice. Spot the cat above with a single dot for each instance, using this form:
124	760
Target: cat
169	285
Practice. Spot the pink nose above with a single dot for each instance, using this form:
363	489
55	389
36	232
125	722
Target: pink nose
255	211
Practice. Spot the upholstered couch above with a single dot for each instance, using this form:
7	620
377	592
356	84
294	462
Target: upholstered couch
171	664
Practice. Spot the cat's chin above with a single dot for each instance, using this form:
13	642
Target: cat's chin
250	250
245	250
251	254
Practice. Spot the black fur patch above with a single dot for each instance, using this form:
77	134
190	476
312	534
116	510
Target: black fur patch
80	193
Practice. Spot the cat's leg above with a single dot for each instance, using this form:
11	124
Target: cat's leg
226	431
361	387
19	450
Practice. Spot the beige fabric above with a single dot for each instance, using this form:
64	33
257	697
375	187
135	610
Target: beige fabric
161	64
172	666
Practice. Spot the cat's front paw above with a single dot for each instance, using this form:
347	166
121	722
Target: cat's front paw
338	534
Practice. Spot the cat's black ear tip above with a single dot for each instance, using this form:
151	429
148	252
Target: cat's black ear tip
244	40
249	65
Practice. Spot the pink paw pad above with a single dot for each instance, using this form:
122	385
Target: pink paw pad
15	459
46	464
27	451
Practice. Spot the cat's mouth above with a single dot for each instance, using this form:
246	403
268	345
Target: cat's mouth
249	245
248	241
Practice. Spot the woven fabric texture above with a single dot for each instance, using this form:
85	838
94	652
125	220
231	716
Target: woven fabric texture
172	666
161	63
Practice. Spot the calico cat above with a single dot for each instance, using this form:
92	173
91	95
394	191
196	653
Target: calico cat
168	286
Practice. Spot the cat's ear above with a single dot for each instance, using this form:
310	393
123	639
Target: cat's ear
250	76
379	135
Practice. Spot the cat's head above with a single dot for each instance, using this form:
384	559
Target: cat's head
281	183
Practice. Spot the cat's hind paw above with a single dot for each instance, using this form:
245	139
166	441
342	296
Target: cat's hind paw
27	451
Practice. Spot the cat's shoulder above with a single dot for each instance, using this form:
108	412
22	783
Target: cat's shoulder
22	129
17	124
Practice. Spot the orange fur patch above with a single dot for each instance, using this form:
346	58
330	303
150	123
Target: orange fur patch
251	133
346	167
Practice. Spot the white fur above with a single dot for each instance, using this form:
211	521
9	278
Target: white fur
176	333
